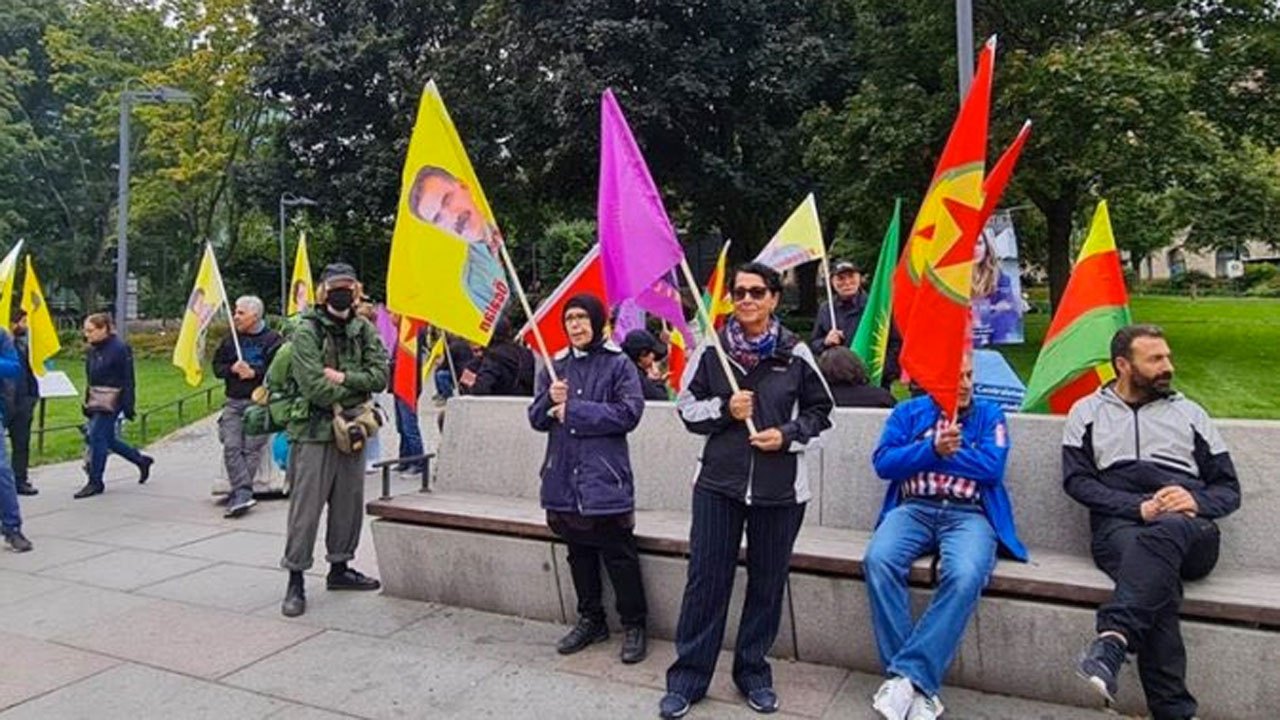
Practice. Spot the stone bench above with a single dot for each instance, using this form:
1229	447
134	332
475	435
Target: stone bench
480	540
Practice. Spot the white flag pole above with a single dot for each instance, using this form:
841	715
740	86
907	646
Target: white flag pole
226	301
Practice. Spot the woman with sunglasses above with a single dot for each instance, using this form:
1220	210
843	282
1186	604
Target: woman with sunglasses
754	480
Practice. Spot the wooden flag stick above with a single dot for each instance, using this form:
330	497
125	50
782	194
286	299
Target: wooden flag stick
528	312
226	302
711	334
831	302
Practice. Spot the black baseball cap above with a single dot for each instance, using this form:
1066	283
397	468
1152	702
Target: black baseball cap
843	266
338	271
637	342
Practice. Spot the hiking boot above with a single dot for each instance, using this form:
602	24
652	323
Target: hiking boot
763	701
893	699
1100	664
26	488
586	632
635	645
17	542
349	579
295	599
144	469
239	505
89	490
925	708
673	705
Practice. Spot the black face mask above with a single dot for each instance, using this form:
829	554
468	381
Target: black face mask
340	299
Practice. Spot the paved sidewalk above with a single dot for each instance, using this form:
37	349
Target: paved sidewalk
145	603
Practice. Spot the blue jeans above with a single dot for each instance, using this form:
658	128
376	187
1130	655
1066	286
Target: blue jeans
10	517
407	426
103	440
444	383
961	534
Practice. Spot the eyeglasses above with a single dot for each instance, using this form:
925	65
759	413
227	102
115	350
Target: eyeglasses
577	317
757	292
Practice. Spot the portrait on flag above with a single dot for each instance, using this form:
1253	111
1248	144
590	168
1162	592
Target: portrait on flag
997	286
445	263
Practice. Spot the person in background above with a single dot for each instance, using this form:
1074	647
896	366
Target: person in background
646	352
1157	477
588	488
847	378
757	482
21	395
243	373
10	512
506	367
407	415
946	495
110	393
851	301
338	359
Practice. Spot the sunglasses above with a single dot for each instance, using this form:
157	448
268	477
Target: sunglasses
757	293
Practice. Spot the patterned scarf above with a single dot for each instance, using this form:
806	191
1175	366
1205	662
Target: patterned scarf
748	352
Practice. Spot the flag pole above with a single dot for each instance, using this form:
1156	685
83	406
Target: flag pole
226	303
448	358
705	317
831	302
524	302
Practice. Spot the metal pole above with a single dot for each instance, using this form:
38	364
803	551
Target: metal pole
284	297
122	217
964	44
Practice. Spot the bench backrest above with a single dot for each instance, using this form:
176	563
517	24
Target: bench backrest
489	447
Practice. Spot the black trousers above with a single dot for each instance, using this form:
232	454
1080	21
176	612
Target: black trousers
1149	563
610	539
20	437
714	539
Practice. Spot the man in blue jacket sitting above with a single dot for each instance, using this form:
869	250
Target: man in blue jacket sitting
10	516
946	495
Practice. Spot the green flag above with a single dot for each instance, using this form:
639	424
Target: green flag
871	341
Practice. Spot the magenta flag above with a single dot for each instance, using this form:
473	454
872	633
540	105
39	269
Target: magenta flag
629	316
637	243
387	330
662	299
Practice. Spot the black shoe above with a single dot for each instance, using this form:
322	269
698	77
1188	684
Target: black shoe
144	469
89	490
239	506
673	705
349	579
763	701
585	633
295	601
26	488
17	542
1100	664
635	645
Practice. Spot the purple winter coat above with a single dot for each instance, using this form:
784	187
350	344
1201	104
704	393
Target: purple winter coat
588	466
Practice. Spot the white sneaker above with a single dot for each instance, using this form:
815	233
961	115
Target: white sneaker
893	699
925	708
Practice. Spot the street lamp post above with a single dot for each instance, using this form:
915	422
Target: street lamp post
157	96
964	44
288	199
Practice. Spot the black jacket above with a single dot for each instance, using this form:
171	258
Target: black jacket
866	396
258	351
790	395
507	369
848	315
110	364
653	389
23	392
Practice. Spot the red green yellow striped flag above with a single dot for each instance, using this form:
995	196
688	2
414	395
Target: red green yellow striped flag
1076	357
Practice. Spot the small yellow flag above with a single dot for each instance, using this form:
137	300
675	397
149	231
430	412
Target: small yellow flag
42	334
302	291
798	241
437	352
8	276
206	297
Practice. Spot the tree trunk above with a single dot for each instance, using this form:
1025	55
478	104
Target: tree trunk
1058	216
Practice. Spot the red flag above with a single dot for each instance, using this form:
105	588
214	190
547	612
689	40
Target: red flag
675	359
587	277
405	381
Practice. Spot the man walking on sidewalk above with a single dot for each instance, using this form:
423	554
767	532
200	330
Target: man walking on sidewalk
10	515
243	373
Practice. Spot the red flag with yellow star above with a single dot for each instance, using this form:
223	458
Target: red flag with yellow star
934	279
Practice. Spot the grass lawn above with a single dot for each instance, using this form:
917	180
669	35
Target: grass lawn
159	383
1226	351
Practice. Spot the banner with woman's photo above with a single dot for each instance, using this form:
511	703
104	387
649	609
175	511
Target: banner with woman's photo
997	285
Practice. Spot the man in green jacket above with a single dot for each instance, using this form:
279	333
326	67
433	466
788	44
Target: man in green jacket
337	360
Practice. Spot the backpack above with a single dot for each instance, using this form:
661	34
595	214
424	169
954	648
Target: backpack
278	399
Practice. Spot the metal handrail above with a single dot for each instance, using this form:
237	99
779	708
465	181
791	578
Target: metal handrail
41	429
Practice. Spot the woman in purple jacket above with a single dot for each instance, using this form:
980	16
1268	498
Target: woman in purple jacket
587	487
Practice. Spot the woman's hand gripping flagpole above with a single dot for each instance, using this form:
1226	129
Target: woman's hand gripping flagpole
712	336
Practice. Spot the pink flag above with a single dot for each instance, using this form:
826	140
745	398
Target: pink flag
662	299
627	317
637	243
387	330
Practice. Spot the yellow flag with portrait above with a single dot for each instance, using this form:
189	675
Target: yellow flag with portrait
445	267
